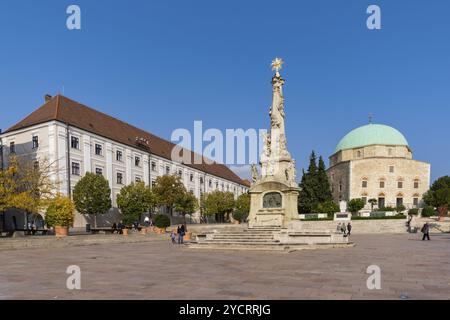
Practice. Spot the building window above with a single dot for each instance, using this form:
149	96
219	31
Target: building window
137	179
201	180
98	149
400	184
416	202
35	142
12	147
391	169
364	183
364	199
359	154
191	177
119	178
167	170
381	184
99	171
137	161
416	184
119	155
153	183
153	166
217	185
74	143
399	202
210	183
75	168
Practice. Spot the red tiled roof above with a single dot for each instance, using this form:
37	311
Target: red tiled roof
67	111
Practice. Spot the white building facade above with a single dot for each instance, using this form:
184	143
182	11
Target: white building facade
74	144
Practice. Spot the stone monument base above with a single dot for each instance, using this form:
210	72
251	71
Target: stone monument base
270	239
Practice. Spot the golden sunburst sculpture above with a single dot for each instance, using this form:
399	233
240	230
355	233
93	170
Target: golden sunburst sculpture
276	64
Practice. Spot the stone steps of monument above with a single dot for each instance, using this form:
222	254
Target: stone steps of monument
266	233
240	236
242	240
239	246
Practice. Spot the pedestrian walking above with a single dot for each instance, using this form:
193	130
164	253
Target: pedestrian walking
338	227
344	229
181	234
173	237
349	228
426	231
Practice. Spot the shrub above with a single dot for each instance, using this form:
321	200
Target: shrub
400	208
162	221
428	211
328	207
355	205
413	212
239	216
60	212
387	209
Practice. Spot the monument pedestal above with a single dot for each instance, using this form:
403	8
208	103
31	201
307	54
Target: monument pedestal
273	203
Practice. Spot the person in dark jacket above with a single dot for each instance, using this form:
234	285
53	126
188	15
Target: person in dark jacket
180	234
349	228
120	227
426	231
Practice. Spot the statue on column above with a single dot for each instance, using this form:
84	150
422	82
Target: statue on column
254	173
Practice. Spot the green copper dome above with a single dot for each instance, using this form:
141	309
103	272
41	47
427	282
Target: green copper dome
371	134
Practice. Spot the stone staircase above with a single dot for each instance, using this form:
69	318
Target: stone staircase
258	238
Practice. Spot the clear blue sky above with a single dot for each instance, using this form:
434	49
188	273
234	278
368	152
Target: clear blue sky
160	65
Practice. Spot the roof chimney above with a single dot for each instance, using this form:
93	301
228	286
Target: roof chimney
47	97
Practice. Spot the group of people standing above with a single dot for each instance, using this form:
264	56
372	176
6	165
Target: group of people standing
181	231
345	229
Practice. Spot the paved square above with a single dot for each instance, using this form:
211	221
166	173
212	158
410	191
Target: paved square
160	270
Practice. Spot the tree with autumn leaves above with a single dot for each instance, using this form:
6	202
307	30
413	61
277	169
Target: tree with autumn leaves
26	185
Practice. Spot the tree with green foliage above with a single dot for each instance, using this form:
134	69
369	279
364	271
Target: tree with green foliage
242	207
328	207
308	187
167	189
218	203
162	221
428	211
186	203
439	195
372	202
60	212
323	184
400	208
92	195
134	200
355	205
315	190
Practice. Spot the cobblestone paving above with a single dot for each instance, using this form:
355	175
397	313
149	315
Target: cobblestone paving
160	270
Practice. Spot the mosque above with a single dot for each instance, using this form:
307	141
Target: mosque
375	161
